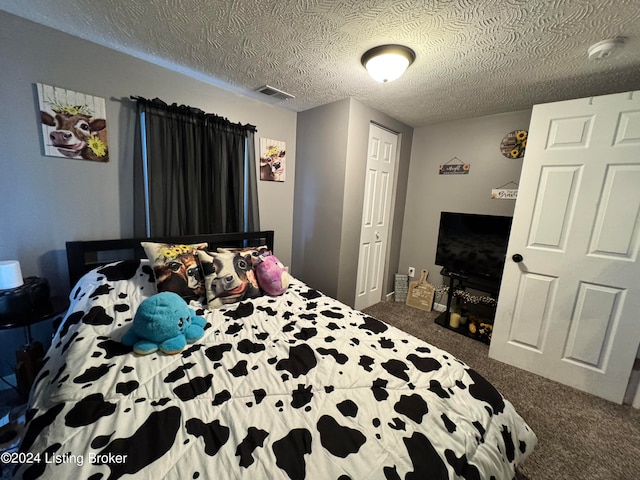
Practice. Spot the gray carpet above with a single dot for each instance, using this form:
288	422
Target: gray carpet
579	436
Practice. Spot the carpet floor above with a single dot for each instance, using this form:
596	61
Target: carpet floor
579	436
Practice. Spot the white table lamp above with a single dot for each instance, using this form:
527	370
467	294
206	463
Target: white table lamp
10	274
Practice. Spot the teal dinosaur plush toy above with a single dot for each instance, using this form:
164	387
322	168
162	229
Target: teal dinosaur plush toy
163	322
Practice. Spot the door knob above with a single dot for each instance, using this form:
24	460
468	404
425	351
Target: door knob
517	258
377	235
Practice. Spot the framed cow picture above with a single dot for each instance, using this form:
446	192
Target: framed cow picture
272	160
74	125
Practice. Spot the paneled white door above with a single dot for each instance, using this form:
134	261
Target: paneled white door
374	233
569	306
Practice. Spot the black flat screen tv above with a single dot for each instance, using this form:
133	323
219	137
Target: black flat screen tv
473	245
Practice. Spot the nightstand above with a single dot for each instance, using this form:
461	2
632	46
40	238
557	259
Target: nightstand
29	356
57	308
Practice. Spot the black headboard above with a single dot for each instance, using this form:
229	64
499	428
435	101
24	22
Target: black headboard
83	256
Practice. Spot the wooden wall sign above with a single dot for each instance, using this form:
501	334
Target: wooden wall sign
502	193
450	168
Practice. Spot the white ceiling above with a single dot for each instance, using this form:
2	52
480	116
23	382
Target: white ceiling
473	57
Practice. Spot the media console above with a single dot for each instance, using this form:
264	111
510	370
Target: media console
481	312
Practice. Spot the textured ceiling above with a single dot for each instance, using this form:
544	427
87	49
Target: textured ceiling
473	57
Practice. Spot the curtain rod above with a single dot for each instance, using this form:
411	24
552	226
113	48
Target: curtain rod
248	126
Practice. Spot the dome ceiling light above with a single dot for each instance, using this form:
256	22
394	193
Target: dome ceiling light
386	63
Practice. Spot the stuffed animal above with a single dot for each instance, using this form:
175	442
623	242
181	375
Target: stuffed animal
272	275
163	322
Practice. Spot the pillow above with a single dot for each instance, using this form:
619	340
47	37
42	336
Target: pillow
272	275
255	252
176	268
228	277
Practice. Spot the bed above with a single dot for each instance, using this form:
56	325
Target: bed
298	386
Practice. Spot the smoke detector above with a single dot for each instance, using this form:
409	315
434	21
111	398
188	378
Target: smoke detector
605	48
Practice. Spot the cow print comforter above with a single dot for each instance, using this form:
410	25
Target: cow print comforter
294	387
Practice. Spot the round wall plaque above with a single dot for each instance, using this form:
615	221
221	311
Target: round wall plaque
514	144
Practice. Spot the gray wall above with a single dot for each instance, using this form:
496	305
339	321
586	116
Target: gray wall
332	156
319	191
51	200
47	200
475	141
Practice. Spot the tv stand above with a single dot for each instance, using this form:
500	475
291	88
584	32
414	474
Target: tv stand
458	281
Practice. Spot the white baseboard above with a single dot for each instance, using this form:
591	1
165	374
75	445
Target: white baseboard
636	398
438	307
389	297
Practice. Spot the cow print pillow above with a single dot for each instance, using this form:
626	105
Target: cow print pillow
228	277
255	252
176	268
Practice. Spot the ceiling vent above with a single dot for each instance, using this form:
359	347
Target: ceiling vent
274	92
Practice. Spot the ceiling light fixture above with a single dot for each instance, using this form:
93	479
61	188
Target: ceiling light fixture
386	63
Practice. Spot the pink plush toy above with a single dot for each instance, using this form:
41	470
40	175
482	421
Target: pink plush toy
272	275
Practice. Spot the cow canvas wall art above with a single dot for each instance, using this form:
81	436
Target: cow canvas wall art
272	160
74	125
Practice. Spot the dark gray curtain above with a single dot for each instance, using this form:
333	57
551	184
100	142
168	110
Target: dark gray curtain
201	170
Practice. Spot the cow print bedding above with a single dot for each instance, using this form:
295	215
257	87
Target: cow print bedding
293	387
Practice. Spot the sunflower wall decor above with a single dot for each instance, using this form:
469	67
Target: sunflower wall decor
514	144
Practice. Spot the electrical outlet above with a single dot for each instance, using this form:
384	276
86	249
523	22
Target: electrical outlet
412	271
